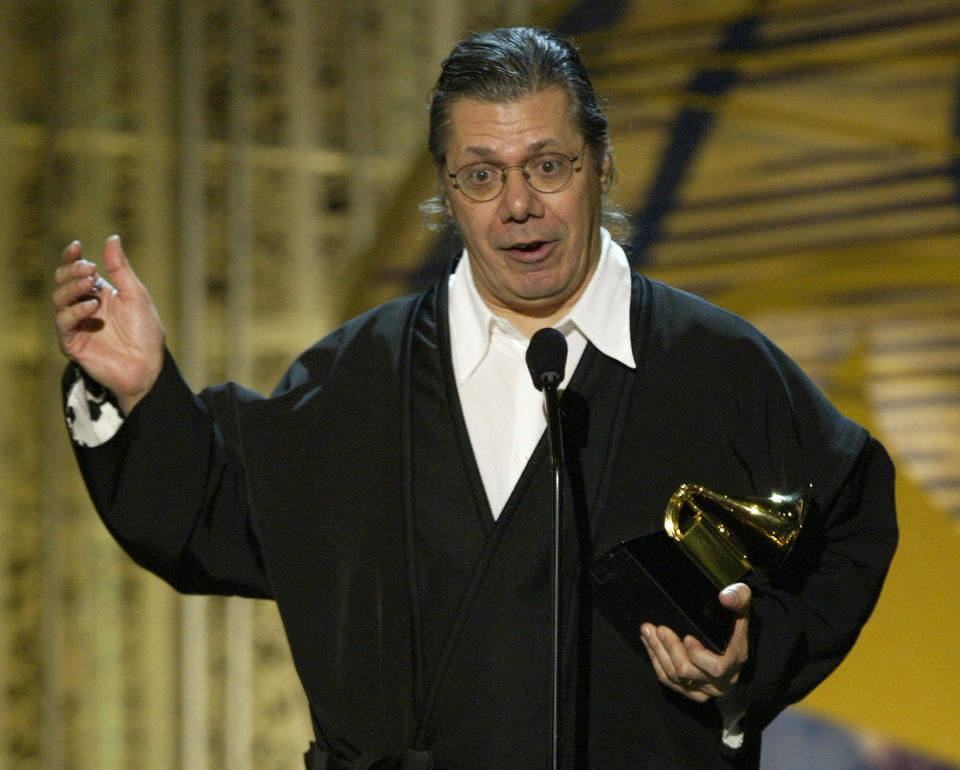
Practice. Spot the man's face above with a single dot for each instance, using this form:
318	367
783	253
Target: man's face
532	253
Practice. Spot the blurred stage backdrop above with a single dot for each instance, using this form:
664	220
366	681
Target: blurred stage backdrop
796	161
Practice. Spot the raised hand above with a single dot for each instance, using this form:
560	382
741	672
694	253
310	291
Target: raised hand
110	328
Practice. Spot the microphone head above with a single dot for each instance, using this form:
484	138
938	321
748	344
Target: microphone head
547	358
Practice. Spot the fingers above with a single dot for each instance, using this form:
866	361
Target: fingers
71	318
686	666
76	296
721	671
76	281
118	268
74	291
724	670
78	271
74	266
73	271
673	666
114	261
72	252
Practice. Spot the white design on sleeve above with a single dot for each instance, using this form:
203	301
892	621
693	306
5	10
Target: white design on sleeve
92	415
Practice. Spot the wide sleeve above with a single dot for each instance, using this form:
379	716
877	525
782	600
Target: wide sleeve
806	616
170	489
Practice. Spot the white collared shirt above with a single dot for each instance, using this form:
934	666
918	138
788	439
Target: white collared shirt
503	411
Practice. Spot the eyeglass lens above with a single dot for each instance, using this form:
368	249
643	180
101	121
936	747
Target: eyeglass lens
544	173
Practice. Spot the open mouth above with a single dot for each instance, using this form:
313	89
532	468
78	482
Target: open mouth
529	247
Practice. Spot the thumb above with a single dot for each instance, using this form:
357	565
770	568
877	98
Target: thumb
118	269
736	597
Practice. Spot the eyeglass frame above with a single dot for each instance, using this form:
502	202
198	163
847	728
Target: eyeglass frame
523	170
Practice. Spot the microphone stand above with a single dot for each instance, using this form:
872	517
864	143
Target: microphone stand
546	360
555	435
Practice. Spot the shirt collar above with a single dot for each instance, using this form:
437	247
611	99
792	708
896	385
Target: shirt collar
602	314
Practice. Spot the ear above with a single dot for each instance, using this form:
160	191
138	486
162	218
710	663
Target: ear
606	166
446	204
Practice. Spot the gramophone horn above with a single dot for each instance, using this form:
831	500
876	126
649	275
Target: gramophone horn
728	538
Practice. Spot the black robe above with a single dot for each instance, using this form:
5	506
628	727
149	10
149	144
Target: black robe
416	620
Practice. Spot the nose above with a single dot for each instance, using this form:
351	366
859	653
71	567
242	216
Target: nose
518	201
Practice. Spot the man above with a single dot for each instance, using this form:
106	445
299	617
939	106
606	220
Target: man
393	494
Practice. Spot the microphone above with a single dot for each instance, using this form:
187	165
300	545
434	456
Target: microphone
547	358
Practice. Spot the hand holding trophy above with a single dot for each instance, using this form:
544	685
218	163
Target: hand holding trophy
710	540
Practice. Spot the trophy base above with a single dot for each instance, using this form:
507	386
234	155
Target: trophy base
650	580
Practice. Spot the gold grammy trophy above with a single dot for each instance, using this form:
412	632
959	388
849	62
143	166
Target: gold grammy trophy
728	538
710	540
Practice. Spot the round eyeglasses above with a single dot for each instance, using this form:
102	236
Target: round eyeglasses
549	172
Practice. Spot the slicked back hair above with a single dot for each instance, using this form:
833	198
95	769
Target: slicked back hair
509	64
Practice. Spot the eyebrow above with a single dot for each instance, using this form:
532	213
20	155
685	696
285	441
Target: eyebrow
532	149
